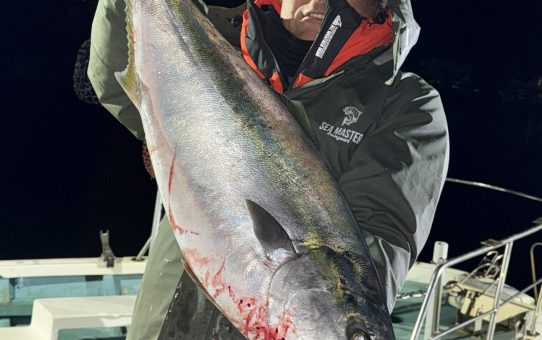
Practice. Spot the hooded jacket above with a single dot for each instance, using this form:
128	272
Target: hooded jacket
382	132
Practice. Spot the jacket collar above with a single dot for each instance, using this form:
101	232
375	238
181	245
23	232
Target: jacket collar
344	35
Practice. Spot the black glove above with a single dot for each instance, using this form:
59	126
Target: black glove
147	161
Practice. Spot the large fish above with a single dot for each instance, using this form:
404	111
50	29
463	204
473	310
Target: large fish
259	220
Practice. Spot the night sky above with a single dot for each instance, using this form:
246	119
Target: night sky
69	169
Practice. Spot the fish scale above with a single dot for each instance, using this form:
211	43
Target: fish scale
260	221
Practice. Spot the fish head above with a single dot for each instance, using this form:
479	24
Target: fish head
321	296
318	291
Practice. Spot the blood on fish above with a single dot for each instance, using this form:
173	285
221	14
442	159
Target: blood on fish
254	319
174	224
257	323
177	227
253	314
218	283
193	255
171	170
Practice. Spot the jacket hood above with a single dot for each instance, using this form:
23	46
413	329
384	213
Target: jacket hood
406	31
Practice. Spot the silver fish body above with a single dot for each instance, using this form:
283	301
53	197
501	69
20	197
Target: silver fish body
258	218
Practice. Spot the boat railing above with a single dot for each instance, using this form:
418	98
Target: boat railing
533	266
537	294
432	299
156	218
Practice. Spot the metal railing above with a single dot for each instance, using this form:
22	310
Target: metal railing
533	266
494	188
507	243
157	216
537	294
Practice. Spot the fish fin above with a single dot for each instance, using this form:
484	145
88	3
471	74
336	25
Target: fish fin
128	78
268	230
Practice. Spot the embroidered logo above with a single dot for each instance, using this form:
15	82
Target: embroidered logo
335	25
341	134
351	115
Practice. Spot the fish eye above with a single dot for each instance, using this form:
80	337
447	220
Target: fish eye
359	336
356	332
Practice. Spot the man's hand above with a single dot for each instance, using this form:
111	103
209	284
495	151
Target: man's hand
147	161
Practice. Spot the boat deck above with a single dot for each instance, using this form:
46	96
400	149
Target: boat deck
406	312
23	282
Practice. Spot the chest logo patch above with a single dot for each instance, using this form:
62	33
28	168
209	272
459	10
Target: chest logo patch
340	133
351	115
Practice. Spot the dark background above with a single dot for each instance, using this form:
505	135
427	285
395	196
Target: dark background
69	169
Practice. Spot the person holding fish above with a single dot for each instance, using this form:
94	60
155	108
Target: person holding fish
381	134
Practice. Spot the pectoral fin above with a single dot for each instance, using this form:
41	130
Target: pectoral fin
268	230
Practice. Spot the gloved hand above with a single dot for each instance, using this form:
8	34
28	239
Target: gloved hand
147	161
81	84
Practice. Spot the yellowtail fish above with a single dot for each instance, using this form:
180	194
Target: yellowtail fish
259	220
